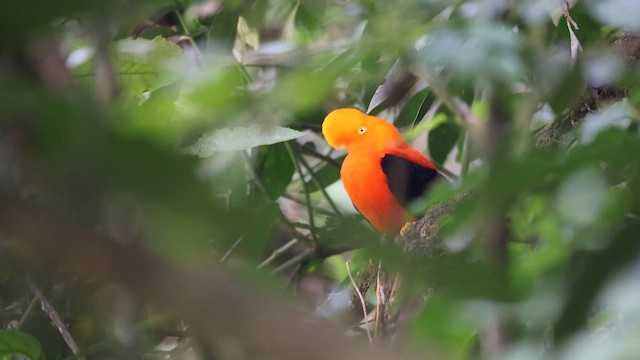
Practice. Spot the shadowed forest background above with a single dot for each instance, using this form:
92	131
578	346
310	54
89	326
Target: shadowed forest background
166	193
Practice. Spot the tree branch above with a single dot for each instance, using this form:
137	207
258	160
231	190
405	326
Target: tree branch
56	319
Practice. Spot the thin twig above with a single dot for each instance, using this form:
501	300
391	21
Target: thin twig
315	180
196	51
301	225
380	303
303	256
362	302
56	319
189	38
312	253
326	158
565	13
307	196
226	255
466	155
317	209
256	178
278	252
26	313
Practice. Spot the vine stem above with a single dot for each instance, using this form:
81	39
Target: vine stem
362	303
296	164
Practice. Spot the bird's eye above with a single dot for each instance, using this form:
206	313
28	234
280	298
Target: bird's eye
362	130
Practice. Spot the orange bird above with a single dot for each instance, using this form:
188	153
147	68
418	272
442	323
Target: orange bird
381	173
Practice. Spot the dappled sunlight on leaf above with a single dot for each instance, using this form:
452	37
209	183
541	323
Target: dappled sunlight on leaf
142	66
241	138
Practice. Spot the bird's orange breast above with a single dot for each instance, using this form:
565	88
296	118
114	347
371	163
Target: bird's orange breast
369	191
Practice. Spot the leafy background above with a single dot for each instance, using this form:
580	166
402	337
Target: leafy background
165	191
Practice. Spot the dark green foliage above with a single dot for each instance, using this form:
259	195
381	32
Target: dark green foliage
442	139
14	342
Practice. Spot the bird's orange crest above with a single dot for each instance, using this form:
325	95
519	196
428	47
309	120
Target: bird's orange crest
352	129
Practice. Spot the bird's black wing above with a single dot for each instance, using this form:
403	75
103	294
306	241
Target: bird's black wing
407	180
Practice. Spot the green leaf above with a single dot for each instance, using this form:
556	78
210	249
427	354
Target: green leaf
275	168
415	109
142	65
289	29
213	96
445	325
14	342
241	138
147	65
155	117
442	139
246	36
